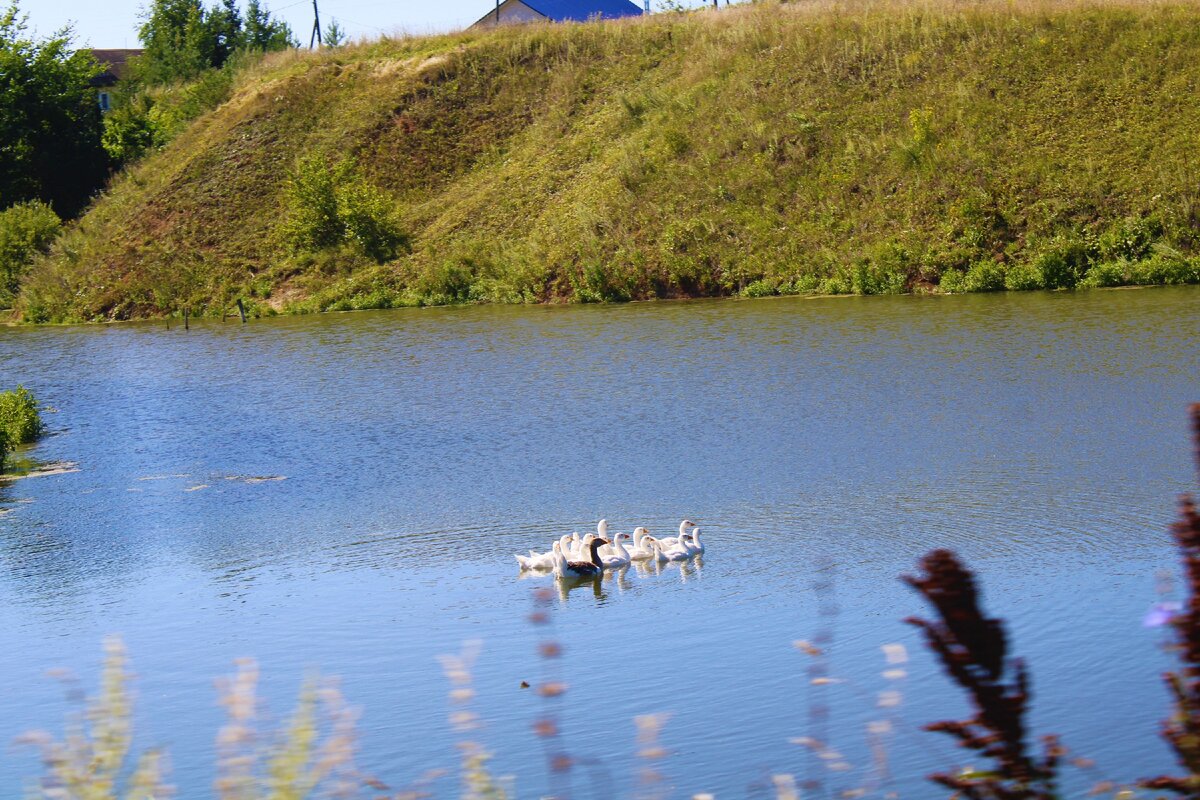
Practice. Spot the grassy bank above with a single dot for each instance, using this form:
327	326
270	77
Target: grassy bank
824	148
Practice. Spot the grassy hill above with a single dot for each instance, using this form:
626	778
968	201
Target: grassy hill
816	147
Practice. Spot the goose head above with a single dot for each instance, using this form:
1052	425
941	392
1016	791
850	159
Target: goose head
639	533
602	528
683	526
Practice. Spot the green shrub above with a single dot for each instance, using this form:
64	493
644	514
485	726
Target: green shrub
330	205
760	288
1023	277
1108	273
4	448
953	281
26	229
19	418
130	128
313	221
1165	269
1062	262
835	284
1130	239
984	276
370	221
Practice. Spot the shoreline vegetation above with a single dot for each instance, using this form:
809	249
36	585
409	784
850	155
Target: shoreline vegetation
20	421
766	149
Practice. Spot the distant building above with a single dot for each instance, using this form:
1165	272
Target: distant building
511	12
114	63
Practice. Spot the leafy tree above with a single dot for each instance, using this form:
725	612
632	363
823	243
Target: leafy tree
177	43
49	119
224	23
182	39
263	33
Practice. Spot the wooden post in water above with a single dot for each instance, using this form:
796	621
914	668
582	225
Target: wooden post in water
242	310
186	311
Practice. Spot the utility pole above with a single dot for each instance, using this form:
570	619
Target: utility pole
316	31
497	12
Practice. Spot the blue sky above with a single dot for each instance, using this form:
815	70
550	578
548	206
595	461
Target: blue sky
114	23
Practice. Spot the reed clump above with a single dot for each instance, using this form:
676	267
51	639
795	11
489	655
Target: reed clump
823	148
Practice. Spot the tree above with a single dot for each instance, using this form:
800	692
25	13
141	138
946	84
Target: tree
333	36
49	119
181	39
224	25
176	42
264	33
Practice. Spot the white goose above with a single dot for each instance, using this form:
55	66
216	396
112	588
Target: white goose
679	552
659	554
672	541
580	550
641	550
621	558
539	560
694	545
535	560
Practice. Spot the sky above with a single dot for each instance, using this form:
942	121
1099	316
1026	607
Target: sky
114	23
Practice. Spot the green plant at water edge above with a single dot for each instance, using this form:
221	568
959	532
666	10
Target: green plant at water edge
26	230
90	761
329	206
4	448
973	649
19	418
984	276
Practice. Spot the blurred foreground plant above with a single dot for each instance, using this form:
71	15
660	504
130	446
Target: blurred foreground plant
300	762
91	758
973	649
1182	730
477	780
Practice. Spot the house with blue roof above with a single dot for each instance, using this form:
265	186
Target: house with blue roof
510	12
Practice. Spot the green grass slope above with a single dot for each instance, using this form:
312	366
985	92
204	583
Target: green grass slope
764	149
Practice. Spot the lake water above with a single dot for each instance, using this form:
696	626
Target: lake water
1042	436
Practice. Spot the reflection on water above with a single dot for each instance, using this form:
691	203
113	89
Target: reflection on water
344	492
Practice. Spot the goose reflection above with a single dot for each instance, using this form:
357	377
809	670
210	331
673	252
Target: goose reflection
647	568
618	577
567	585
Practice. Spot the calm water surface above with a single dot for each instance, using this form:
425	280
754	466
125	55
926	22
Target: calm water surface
1043	436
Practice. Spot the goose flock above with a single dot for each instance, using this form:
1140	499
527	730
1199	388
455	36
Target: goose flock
574	557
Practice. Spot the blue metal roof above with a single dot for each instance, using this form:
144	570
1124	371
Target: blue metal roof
583	10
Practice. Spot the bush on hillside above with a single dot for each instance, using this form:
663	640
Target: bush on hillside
129	130
20	422
26	229
369	220
329	206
